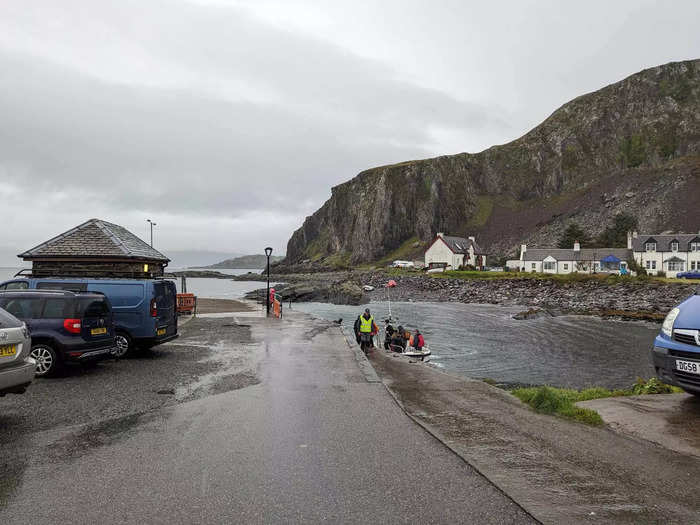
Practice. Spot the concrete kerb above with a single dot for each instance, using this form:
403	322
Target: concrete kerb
362	362
439	437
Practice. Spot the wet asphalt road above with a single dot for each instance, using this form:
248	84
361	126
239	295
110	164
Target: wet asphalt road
299	436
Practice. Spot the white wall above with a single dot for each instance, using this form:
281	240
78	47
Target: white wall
661	259
440	253
560	267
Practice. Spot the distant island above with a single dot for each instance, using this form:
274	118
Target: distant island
252	262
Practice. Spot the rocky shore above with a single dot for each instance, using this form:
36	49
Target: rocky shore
208	274
626	298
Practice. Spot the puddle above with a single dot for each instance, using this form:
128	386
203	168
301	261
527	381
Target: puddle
234	369
76	444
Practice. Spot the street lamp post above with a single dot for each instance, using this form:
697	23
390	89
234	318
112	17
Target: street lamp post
268	252
152	225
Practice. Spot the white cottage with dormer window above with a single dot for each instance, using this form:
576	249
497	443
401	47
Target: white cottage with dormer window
451	253
670	253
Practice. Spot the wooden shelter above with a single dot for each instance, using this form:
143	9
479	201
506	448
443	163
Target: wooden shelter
96	248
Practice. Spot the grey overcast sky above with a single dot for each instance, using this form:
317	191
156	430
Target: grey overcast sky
227	122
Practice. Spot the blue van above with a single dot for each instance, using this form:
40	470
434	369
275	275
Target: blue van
145	310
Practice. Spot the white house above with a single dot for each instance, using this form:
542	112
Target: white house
577	259
454	252
670	253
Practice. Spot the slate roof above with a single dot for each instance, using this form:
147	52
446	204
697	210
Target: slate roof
585	254
460	244
95	238
663	242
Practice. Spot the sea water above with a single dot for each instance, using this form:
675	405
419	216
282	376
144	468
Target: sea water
484	341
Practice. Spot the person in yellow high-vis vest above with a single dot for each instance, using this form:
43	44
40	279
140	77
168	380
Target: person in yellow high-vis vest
365	326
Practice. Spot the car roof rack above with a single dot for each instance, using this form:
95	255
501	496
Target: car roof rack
89	274
34	291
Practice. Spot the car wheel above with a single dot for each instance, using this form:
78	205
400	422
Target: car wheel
46	358
123	343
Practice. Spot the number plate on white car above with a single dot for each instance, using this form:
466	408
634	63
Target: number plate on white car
688	366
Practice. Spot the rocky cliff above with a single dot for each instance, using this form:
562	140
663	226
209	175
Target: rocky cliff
633	146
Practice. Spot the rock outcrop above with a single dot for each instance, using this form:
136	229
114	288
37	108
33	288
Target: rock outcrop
633	147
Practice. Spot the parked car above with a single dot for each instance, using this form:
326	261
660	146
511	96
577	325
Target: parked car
403	264
676	351
64	326
691	274
16	367
145	310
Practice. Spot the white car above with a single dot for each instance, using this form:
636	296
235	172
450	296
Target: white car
403	264
16	367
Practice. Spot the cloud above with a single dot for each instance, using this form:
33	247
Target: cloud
229	122
180	110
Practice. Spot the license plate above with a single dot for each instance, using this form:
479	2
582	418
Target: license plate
8	350
98	331
688	366
161	331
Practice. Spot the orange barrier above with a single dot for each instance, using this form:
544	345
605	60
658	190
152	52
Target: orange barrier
277	308
186	303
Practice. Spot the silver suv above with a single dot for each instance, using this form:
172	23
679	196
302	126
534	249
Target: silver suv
16	367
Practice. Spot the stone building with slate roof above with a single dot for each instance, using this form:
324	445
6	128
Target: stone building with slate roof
96	248
451	253
671	253
576	259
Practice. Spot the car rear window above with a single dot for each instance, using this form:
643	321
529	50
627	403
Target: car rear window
59	308
22	307
165	295
93	307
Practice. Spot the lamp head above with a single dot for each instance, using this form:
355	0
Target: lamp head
268	251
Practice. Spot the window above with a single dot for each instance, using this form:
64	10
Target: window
695	246
674	246
650	246
534	266
651	265
58	309
15	285
73	287
92	308
566	266
22	307
548	265
676	266
694	265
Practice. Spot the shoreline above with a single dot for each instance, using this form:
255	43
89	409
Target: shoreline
615	298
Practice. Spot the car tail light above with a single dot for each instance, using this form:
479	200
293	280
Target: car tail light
154	308
72	325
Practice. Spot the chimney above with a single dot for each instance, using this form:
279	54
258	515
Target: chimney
629	240
577	246
440	234
634	234
472	239
523	249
